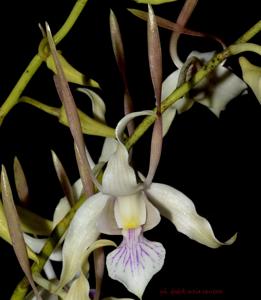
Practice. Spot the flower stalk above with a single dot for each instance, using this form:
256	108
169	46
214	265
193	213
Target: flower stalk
37	60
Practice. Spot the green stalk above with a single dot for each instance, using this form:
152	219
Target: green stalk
233	49
37	60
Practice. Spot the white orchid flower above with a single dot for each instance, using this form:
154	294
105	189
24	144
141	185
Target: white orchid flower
127	207
214	92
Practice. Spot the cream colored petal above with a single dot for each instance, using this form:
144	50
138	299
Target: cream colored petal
119	178
77	188
252	76
62	208
225	87
183	104
121	126
170	84
109	147
180	210
203	56
49	270
135	261
81	233
98	106
36	244
106	222
130	211
219	88
152	216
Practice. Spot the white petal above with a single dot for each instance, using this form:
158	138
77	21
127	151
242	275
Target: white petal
226	86
81	234
167	119
130	211
36	244
220	87
109	147
98	106
107	223
119	130
152	218
135	261
62	208
170	84
183	104
203	56
119	178
180	210
49	270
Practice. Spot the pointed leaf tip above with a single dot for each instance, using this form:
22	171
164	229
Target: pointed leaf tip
15	230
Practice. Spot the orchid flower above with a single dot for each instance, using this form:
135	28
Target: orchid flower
125	206
214	92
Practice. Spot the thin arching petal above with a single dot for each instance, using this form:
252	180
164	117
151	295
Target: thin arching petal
82	232
135	261
98	106
119	130
180	210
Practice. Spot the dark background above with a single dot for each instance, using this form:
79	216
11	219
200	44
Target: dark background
215	162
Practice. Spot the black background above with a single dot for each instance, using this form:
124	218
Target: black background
215	162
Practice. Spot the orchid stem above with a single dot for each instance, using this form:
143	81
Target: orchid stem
233	49
37	60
